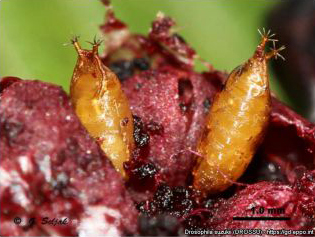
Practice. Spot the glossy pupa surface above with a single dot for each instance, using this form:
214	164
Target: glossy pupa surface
102	106
236	124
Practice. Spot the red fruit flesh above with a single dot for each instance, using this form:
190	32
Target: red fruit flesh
5	82
289	141
269	195
175	101
50	166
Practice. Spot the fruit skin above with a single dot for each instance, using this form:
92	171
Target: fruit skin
168	93
102	106
236	124
50	166
6	82
171	100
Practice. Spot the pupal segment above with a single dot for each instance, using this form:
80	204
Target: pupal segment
236	124
102	106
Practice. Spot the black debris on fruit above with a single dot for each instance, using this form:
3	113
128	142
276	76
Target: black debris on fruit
183	107
145	171
209	203
138	86
141	64
123	69
141	137
176	202
206	104
164	198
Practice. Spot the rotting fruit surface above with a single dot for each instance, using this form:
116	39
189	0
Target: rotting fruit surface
275	159
85	187
51	167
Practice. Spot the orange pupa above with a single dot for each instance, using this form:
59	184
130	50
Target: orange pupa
236	123
102	106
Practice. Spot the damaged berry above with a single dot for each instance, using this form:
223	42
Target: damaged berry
55	168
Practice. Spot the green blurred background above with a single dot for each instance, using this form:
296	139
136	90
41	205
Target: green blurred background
34	32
